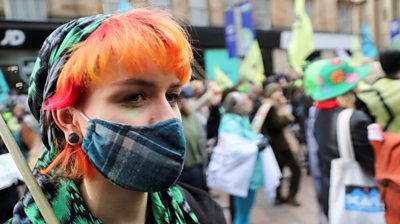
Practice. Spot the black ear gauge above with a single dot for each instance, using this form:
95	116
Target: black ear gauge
73	138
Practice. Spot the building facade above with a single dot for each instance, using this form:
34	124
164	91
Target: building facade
25	23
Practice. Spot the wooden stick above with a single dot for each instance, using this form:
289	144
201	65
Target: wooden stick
30	181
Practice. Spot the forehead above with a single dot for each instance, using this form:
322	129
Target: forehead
150	73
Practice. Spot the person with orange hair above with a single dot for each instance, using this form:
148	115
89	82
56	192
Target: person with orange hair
104	90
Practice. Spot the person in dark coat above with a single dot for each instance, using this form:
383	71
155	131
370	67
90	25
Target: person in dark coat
337	80
275	125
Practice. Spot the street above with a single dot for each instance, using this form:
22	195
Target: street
265	212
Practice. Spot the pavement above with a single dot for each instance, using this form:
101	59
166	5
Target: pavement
265	211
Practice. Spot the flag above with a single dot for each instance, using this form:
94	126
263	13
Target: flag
124	6
252	67
240	14
356	51
395	35
4	88
368	46
221	79
219	58
301	42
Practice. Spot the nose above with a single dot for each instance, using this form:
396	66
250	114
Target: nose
161	110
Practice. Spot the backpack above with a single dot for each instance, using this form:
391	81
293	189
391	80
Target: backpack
382	99
386	147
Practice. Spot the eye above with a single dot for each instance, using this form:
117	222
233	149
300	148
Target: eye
134	100
172	98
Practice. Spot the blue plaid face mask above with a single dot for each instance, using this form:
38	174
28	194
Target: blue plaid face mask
147	158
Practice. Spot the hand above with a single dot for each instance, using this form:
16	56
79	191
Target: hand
262	144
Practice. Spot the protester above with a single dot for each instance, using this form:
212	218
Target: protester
105	90
336	83
31	139
9	195
310	83
14	124
235	126
382	97
282	140
381	102
195	155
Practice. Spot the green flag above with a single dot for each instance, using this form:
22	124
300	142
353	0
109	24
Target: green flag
301	43
222	80
252	67
356	51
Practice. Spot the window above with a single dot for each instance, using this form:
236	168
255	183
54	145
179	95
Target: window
344	19
31	10
110	6
262	17
396	9
198	12
161	4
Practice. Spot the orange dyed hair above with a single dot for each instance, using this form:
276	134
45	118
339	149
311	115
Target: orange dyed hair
131	41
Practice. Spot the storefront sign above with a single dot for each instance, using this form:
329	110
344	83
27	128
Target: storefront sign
24	34
13	38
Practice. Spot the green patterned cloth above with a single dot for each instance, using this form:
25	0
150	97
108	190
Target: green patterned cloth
68	205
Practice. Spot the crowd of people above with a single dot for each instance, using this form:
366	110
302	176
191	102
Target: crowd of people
115	137
293	116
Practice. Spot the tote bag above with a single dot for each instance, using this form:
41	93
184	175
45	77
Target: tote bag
353	196
231	164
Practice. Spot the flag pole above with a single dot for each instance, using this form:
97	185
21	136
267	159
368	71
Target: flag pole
30	181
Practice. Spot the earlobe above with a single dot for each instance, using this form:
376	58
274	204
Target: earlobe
67	123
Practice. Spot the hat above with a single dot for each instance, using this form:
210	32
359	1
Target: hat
271	88
311	76
51	59
337	77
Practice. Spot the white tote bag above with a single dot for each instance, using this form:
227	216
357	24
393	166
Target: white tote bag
231	164
353	196
271	172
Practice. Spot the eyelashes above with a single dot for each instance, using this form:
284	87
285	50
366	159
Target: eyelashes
139	99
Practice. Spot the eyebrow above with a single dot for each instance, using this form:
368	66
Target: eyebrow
145	83
136	82
175	85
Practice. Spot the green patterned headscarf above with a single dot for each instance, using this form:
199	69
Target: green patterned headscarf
52	57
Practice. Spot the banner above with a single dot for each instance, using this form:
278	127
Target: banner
219	59
230	33
239	29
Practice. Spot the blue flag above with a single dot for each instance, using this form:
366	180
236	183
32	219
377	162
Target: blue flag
246	32
230	32
4	89
368	46
124	6
395	35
